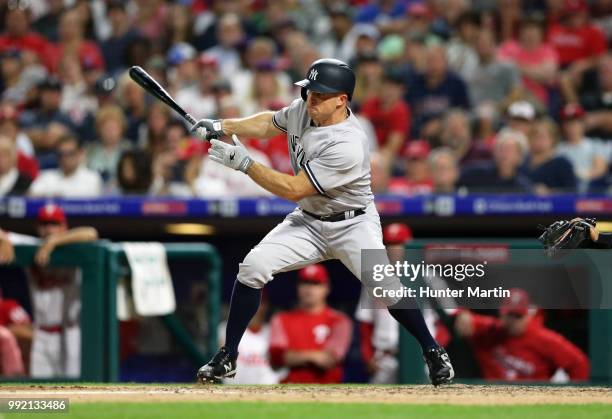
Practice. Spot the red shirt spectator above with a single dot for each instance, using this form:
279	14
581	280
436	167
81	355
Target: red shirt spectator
313	339
417	179
574	37
19	36
388	113
277	150
517	346
72	41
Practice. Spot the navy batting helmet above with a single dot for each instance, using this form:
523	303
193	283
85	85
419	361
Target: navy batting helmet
328	76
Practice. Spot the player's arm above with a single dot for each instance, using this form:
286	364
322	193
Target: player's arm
75	235
280	184
7	251
260	125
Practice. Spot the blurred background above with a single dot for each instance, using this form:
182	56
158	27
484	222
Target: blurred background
485	119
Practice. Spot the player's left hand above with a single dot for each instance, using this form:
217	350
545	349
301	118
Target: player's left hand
235	156
44	253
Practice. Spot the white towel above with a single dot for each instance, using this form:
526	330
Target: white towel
152	288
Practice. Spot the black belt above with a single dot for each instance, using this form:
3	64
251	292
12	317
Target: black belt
338	216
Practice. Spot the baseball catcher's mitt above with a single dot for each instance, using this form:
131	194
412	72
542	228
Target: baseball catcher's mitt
562	235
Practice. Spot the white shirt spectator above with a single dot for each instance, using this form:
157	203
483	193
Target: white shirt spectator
194	102
581	157
83	183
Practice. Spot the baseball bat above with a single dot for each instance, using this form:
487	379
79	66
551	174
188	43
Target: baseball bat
148	83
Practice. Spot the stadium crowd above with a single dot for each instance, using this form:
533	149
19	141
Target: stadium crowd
458	97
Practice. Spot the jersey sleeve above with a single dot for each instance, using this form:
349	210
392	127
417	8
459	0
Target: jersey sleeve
566	355
337	165
279	341
340	337
281	117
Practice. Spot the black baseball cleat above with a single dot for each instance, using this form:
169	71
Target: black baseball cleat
222	365
439	366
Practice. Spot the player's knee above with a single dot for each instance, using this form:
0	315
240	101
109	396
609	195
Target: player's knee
254	272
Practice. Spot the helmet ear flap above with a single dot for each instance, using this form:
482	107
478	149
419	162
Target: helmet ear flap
304	93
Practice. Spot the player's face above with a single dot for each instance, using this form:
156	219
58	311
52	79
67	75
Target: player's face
47	229
312	294
514	324
322	105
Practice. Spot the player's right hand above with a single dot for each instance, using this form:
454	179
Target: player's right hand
207	129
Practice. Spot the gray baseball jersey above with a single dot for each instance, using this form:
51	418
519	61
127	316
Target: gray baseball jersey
335	159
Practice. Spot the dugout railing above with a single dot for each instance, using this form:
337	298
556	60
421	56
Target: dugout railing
599	326
101	264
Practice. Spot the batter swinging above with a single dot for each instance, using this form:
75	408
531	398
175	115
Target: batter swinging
336	217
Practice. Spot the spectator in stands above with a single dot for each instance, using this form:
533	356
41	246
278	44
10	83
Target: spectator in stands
578	42
502	174
537	61
46	123
77	102
547	171
520	116
461	51
48	24
9	127
12	182
586	155
418	20
131	98
72	41
19	75
122	34
417	178
457	136
103	155
153	137
230	34
433	93
135	172
265	91
71	179
340	40
260	53
493	84
517	346
199	100
597	101
444	170
183	72
389	115
18	35
369	72
313	339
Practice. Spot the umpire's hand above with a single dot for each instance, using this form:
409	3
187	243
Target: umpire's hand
235	156
207	129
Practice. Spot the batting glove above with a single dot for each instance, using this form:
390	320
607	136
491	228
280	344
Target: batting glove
207	129
234	156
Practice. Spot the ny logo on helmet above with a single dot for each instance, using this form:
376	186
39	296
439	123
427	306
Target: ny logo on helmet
313	74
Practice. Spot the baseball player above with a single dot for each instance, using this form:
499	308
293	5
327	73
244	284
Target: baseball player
55	293
336	217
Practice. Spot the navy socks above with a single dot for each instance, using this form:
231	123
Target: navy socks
412	319
243	306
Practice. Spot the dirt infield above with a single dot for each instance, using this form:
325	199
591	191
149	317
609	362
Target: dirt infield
413	394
